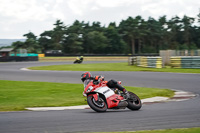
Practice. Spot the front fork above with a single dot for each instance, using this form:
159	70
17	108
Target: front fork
96	96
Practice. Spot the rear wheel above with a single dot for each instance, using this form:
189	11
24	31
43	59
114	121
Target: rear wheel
98	106
134	102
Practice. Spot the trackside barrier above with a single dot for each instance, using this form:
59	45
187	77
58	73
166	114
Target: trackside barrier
30	54
175	62
18	58
166	54
24	55
185	62
131	60
143	62
152	62
41	55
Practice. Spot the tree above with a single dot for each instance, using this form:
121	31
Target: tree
143	32
131	30
133	35
45	41
18	45
31	43
96	26
174	30
57	34
86	29
97	42
164	34
154	34
187	27
72	44
73	38
116	45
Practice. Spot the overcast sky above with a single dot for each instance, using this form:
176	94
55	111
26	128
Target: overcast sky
18	17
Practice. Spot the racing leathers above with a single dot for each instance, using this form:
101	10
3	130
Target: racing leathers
111	84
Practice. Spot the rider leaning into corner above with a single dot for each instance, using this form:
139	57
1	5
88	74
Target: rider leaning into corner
86	78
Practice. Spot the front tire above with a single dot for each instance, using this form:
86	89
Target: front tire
134	102
98	106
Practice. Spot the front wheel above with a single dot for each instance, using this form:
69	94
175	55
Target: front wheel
134	102
98	106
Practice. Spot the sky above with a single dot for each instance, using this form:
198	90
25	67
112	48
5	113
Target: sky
18	17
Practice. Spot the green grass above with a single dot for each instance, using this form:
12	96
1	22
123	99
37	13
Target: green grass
18	95
111	67
183	130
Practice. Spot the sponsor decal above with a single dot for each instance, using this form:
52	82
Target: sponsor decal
106	91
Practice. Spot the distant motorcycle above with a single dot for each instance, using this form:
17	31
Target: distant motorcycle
100	97
79	60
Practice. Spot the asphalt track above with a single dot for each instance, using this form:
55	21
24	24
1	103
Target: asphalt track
183	114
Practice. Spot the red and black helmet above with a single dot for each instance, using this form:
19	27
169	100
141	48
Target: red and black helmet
86	75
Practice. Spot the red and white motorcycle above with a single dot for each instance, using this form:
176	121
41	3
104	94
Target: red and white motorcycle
100	97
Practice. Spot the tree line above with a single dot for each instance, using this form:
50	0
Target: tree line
131	36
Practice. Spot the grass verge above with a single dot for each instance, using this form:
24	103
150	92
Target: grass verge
18	95
183	130
111	67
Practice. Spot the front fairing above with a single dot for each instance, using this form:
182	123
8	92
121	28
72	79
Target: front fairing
101	88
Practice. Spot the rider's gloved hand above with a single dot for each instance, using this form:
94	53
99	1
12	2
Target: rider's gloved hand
98	79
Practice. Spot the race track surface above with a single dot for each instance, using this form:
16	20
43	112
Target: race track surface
181	114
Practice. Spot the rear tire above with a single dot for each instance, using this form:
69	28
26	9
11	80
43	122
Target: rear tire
134	102
98	106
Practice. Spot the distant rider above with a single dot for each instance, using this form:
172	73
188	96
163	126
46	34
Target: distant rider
79	59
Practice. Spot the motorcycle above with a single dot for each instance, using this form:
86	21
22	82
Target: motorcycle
79	60
100	97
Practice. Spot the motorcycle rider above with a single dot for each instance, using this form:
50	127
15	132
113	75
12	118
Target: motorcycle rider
79	59
86	78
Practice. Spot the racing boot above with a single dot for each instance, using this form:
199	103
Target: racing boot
125	92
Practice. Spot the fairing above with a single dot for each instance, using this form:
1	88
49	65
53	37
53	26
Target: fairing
112	99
